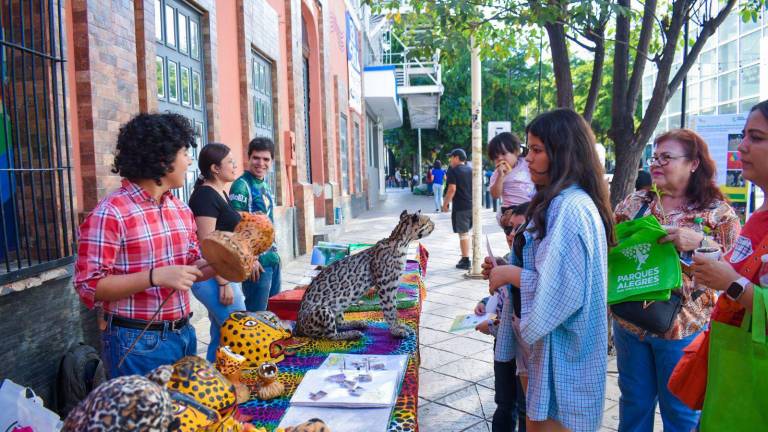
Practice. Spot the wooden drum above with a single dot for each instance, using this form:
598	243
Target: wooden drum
233	255
228	255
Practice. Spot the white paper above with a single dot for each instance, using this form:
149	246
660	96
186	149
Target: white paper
380	392
337	361
340	419
490	252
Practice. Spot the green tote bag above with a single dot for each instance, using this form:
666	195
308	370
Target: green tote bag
737	375
639	268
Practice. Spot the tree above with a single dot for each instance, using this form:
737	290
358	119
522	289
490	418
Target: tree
509	90
643	32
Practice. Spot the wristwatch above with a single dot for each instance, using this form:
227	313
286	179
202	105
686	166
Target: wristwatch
737	288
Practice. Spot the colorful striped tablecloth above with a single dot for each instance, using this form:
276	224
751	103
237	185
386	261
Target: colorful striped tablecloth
376	340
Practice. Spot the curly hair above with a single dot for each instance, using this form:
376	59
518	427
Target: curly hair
147	145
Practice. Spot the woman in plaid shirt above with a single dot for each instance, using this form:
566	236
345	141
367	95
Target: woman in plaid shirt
138	247
563	276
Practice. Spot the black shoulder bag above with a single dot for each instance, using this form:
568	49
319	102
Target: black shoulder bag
654	316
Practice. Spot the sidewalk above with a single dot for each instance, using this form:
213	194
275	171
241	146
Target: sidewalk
456	375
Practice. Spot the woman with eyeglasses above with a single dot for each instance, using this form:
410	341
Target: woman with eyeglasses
561	270
210	205
687	202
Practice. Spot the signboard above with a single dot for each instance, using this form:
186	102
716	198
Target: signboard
723	133
353	66
497	127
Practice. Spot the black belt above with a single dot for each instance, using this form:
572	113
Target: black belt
155	326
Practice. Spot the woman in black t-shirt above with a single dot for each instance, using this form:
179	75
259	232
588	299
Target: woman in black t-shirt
212	211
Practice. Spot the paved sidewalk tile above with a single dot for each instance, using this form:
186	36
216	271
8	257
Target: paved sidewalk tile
462	345
436	417
433	385
432	358
467	369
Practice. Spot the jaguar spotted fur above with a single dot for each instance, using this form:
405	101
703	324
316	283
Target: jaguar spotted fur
344	282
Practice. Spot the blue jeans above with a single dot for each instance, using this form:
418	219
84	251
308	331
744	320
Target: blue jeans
257	293
437	189
207	292
155	348
644	369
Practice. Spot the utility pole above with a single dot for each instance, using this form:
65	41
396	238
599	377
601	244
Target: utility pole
477	159
419	170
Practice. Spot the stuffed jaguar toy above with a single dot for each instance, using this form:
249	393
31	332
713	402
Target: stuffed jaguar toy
340	284
260	337
127	403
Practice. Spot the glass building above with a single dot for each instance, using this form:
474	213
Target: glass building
729	77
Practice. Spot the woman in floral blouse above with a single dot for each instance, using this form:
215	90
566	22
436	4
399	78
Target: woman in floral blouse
684	176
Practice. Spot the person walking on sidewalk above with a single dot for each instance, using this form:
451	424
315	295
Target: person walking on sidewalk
459	177
438	178
138	249
251	193
212	211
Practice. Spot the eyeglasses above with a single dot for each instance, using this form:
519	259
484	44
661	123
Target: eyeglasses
664	159
512	229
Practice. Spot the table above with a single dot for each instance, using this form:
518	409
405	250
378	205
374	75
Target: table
376	341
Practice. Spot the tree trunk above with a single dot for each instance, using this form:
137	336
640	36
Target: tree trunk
627	165
561	64
597	77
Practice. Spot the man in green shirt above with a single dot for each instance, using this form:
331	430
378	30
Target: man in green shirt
251	193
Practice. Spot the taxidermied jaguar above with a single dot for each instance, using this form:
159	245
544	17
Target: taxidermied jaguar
344	282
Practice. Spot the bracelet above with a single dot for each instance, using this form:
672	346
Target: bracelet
151	280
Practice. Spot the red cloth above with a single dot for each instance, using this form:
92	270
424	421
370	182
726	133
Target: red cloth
688	381
286	304
129	232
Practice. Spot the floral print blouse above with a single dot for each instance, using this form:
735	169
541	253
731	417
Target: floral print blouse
724	227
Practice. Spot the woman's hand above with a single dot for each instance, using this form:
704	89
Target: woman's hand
487	265
718	275
480	309
684	239
497	279
483	327
226	295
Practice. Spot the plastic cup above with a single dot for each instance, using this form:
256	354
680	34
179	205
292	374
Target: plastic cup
708	253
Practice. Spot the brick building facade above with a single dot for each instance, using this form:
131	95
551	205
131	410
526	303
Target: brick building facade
236	69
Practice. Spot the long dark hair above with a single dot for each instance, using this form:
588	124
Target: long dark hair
702	191
211	154
573	160
504	142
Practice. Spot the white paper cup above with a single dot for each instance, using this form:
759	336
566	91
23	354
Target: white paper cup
708	253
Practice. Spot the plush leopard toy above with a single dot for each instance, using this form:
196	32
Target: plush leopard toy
127	403
344	282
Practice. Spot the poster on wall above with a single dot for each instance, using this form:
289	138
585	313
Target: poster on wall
353	66
723	133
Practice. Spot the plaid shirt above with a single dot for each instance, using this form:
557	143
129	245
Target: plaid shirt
129	232
564	317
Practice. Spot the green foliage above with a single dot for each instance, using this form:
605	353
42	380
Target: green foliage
510	88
